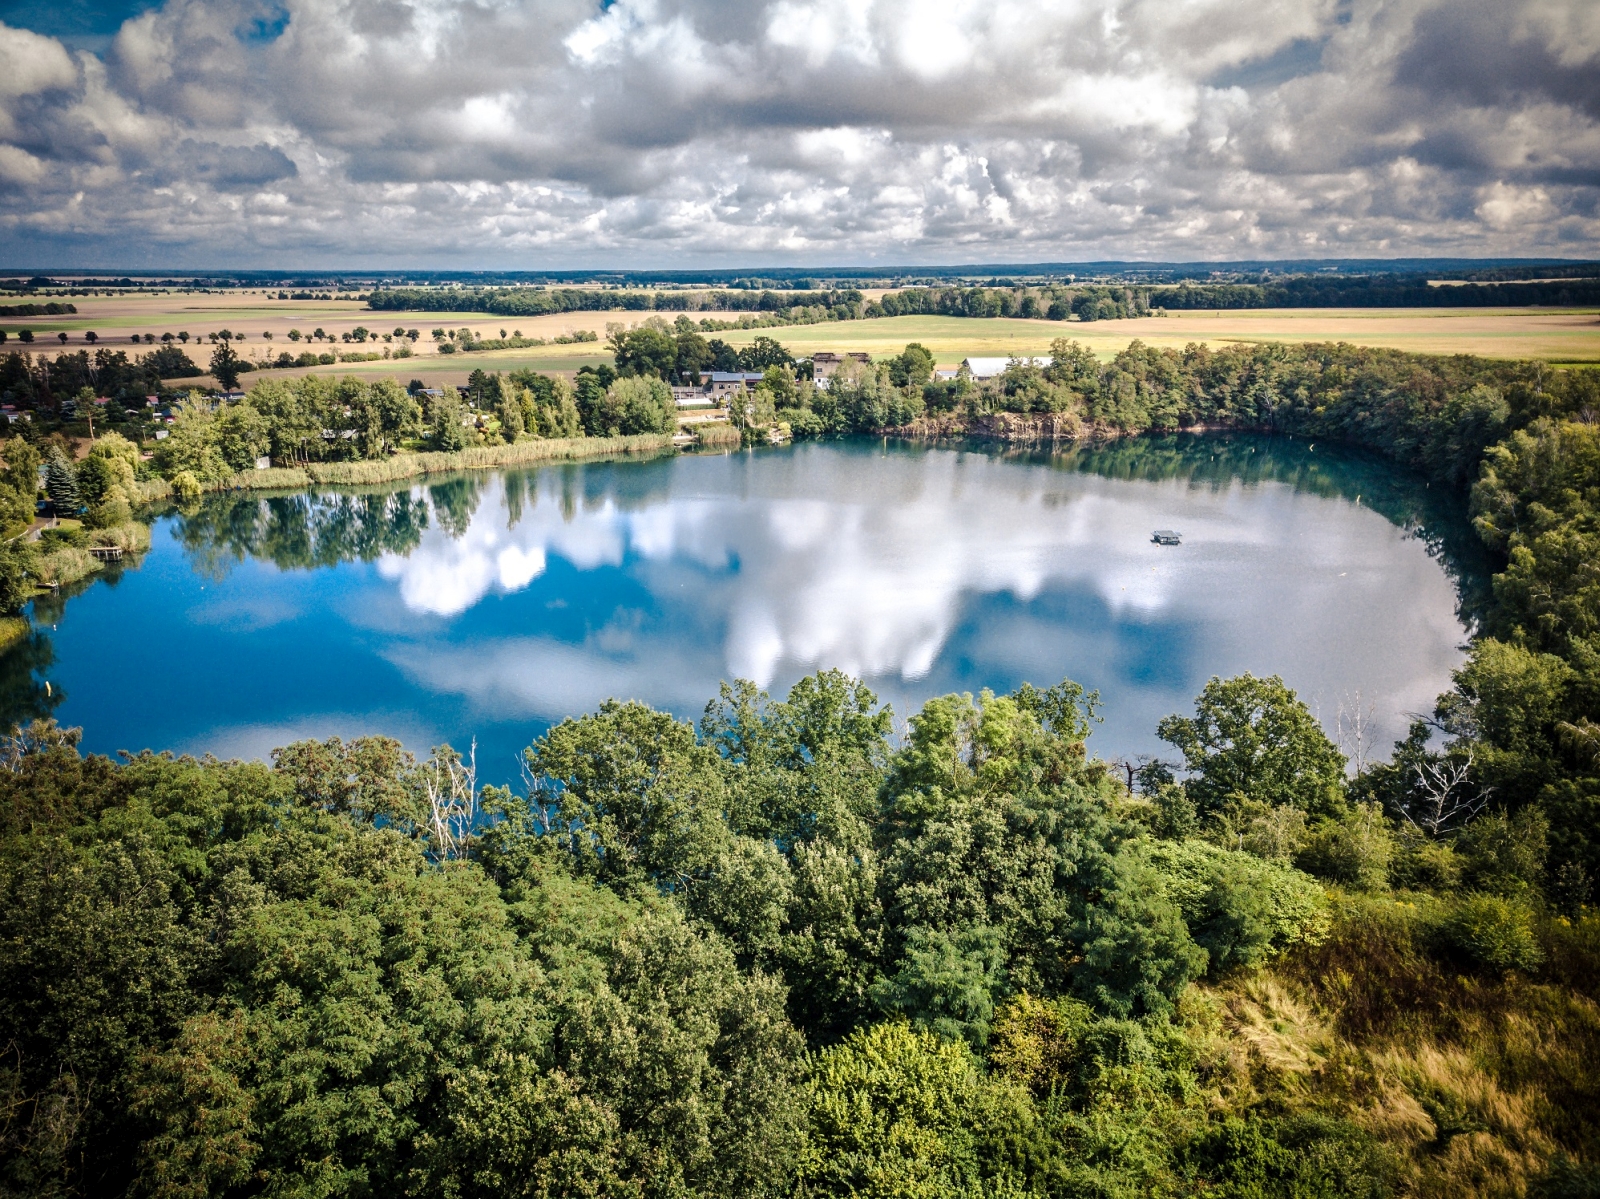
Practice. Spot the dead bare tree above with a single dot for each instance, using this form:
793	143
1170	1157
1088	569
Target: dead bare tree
1355	729
452	788
1442	799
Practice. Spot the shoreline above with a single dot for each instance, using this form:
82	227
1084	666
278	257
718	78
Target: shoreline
418	465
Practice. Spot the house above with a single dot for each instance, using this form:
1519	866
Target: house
725	383
944	376
694	396
989	368
826	363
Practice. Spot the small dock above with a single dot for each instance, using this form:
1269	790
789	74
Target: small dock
107	553
1167	537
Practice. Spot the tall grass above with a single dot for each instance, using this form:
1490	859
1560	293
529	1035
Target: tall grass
66	565
1477	1078
717	433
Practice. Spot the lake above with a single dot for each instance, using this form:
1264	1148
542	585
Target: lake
490	605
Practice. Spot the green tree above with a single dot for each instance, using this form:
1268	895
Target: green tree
445	427
637	405
226	365
1255	738
509	412
649	350
193	444
912	367
638	797
243	434
61	483
764	352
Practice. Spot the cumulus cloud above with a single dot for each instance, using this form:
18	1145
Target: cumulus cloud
669	131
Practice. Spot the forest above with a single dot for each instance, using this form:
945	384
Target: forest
1379	291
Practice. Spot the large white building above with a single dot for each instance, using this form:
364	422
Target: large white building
988	368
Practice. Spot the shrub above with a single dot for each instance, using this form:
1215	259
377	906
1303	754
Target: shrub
1491	933
1504	854
1240	908
108	515
185	486
1423	865
894	1111
1354	849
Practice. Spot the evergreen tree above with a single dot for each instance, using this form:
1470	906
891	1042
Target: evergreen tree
61	483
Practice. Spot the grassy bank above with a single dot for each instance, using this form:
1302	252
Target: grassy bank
410	466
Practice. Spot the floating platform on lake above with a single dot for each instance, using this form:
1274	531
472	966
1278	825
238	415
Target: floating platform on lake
1166	537
107	553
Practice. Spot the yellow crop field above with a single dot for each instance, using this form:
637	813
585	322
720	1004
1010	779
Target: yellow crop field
1557	335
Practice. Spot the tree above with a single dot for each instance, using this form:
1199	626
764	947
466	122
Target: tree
694	356
762	353
446	432
509	410
723	356
649	349
1254	738
17	566
226	365
61	483
912	367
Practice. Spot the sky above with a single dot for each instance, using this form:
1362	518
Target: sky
512	134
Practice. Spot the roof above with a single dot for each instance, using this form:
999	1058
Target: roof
736	376
988	368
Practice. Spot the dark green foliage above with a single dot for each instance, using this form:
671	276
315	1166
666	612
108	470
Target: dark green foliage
1253	738
61	483
170	362
446	430
226	365
1291	1159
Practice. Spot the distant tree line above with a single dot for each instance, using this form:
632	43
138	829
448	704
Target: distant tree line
1375	291
51	309
48	383
542	302
1051	302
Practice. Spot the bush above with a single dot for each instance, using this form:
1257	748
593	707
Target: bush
108	515
1356	849
1491	933
1240	908
1504	854
1306	1158
185	486
1423	865
894	1111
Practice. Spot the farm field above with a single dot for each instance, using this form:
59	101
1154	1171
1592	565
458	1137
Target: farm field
1556	335
1565	336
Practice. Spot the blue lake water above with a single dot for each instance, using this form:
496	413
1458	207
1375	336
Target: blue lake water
490	605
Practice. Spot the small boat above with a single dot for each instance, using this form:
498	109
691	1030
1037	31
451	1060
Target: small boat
1166	537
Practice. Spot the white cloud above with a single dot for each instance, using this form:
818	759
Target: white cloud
456	131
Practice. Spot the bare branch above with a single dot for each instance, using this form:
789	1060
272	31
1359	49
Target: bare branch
1442	798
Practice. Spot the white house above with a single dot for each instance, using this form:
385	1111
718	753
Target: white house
988	368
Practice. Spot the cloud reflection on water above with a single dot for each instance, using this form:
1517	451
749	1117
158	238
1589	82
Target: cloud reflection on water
925	572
